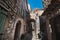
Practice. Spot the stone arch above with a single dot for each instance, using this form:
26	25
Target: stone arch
18	29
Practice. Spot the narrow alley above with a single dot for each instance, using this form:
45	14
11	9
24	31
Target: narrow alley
29	19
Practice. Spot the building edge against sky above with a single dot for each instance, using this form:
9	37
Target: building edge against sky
36	4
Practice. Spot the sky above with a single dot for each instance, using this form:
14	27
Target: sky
35	4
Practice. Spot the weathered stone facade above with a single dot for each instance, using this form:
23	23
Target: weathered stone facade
51	12
46	3
15	11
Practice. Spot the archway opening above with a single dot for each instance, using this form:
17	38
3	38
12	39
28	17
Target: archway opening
17	30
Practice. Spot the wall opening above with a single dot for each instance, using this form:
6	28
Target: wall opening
17	31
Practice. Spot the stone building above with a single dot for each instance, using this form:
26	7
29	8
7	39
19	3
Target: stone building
14	16
35	21
52	13
46	3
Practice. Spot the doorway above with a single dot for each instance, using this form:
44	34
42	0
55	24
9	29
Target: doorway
17	31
